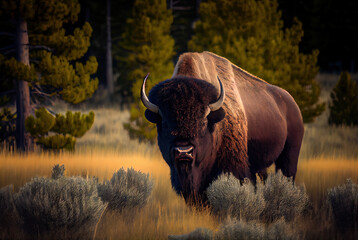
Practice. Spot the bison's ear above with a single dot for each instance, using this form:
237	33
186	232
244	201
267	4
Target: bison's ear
152	117
216	116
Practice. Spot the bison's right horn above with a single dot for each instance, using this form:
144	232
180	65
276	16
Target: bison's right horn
152	107
217	105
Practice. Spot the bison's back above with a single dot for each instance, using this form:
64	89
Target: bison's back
266	118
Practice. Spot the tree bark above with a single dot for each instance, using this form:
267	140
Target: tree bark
109	66
23	107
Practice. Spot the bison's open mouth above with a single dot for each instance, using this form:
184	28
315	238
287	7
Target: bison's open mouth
184	161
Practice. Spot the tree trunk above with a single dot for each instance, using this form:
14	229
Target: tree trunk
197	10
23	108
109	67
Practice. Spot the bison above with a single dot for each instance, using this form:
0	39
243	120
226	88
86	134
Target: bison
213	117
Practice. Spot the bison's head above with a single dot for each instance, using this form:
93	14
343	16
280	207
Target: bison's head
186	112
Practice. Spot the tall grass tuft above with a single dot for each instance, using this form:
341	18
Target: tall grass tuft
61	207
126	189
228	197
58	171
344	205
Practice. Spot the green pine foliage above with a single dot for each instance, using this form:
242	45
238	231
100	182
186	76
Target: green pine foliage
344	102
40	125
7	126
4	85
57	142
13	69
58	132
55	51
146	46
75	124
251	35
58	67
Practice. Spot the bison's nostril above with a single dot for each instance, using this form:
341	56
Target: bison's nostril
184	152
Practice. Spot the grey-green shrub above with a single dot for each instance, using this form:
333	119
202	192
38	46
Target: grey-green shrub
283	198
228	197
241	230
238	229
197	234
50	208
126	189
343	201
280	229
255	230
8	213
277	197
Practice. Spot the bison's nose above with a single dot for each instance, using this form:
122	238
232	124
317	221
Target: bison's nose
184	153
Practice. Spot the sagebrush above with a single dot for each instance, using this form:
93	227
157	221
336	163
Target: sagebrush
343	201
197	234
237	229
255	230
8	214
228	197
283	198
58	207
126	189
276	198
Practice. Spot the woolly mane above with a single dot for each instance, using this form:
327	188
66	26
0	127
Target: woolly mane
207	66
188	98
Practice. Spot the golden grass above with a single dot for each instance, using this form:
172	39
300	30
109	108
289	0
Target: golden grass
166	212
18	169
322	173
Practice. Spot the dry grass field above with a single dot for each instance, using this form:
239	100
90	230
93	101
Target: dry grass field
166	213
329	156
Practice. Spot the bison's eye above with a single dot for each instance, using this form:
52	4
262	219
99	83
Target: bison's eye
216	116
152	117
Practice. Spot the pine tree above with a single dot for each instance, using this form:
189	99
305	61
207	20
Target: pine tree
58	132
46	62
109	63
108	26
146	47
344	105
251	35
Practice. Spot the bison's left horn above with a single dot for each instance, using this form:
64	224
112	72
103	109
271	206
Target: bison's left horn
152	107
217	105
